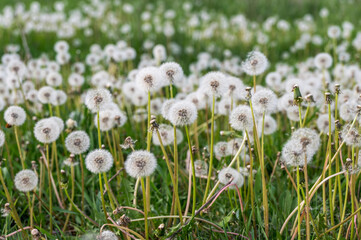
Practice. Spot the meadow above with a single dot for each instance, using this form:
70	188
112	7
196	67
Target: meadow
180	119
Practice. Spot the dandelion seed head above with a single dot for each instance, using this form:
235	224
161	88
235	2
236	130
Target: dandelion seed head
351	136
54	79
200	168
44	94
26	180
166	133
171	72
140	164
323	61
106	120
270	125
107	235
323	123
96	98
149	79
264	101
15	115
227	175
77	142
241	118
58	97
221	150
214	83
182	113
99	161
307	138
233	146
255	64
46	130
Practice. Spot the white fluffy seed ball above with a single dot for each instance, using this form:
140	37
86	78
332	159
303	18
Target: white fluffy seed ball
227	175
96	98
241	118
140	164
99	161
46	130
26	180
15	116
77	142
182	113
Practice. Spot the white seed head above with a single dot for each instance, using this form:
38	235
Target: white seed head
96	98
270	125
166	133
167	104
233	146
182	113
15	116
107	235
214	83
264	101
58	97
99	161
171	72
221	150
46	130
241	118
140	164
77	142
26	180
323	61
60	122
227	175
2	138
323	123
307	138
255	64
351	136
54	79
200	168
106	120
293	154
45	93
149	79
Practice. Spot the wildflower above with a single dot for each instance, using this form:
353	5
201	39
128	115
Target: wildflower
99	161
149	79
46	130
182	113
225	106
241	118
227	175
159	53
171	72
59	121
54	79
75	80
323	61
107	235
233	146
270	125
45	93
214	83
195	99
6	211
201	168
140	164
106	120
307	138
221	150
323	123
15	116
294	154
351	136
58	98
96	98
77	142
255	64
2	138
236	89
264	101
26	180
274	80
166	133
334	32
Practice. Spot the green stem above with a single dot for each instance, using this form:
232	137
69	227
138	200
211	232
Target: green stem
19	148
193	172
145	208
102	196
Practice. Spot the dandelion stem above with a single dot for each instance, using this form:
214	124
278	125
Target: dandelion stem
211	152
145	208
193	171
102	196
99	137
19	148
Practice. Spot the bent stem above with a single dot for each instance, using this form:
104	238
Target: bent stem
211	152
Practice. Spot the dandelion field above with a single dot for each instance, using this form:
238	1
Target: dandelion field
180	120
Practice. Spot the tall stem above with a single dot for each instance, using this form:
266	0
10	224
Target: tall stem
211	152
102	195
50	189
19	148
145	208
193	172
298	203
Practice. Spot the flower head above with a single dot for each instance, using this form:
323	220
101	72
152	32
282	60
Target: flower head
166	134
323	61
171	72
45	93
182	113
15	116
149	79
26	180
46	130
227	175
77	142
99	161
140	164
214	83
96	98
241	118
255	64
264	101
107	235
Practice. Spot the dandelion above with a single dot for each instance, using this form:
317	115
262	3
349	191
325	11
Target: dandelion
264	101
2	138
59	121
270	125
45	93
46	130
307	138
334	32
231	175
120	118
140	164
294	154
99	161
26	180
96	98
201	168
159	53
351	136
58	98
236	89
241	118
323	61
15	116
323	123
149	79
274	80
166	106
214	83
255	64
107	235
166	133
233	146
77	142
182	113
221	150
54	79
225	106
171	72
106	120
75	80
